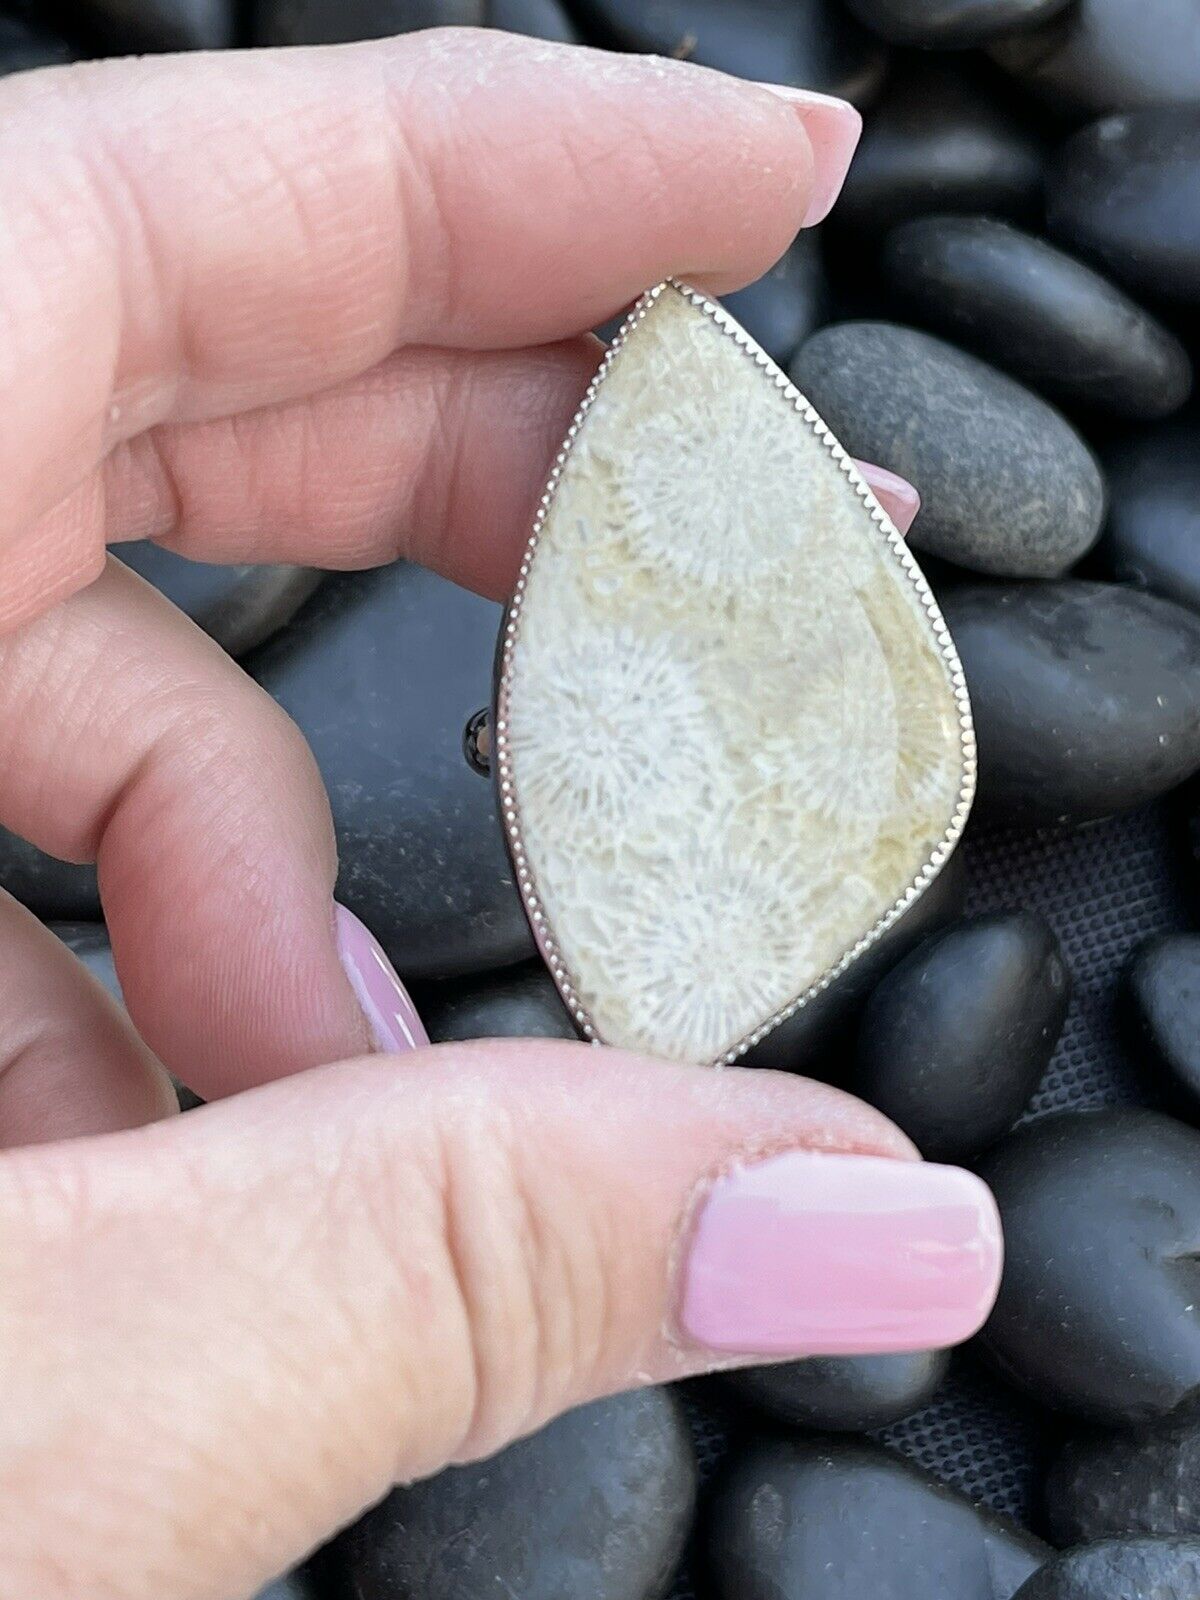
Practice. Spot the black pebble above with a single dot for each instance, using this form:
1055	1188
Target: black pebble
1162	983
951	24
956	1038
1109	55
838	1521
540	19
595	1507
1086	696
1043	316
239	606
294	1587
58	891
382	670
1121	1569
939	140
341	21
1007	485
843	1394
786	304
1153	533
1113	1485
814	1039
1125	191
519	1004
1099	1310
811	44
26	44
121	26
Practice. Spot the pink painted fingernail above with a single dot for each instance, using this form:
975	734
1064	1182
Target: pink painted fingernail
894	493
814	1254
834	128
395	1025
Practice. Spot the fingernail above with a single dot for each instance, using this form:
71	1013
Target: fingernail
394	1022
834	128
894	493
813	1254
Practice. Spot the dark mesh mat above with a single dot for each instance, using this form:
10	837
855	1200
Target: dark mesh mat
1103	889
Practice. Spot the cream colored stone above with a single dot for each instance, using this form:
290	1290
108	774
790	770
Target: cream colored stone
729	740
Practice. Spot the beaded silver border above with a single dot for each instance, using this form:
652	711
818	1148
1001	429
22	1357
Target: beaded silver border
506	792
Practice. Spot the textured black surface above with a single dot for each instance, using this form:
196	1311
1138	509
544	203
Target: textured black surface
1103	889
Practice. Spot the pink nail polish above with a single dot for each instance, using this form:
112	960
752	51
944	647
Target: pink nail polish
834	128
395	1025
815	1254
894	493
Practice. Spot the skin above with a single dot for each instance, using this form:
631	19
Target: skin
301	307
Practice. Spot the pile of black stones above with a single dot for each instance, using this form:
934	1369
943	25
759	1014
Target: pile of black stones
1004	308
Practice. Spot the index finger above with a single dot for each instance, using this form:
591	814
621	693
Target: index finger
196	236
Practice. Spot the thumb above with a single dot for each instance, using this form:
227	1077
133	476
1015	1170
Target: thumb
226	1334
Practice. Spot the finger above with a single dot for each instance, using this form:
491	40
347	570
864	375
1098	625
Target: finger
248	228
376	1269
436	455
70	1063
131	739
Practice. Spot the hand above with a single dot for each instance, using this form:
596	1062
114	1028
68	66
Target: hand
323	307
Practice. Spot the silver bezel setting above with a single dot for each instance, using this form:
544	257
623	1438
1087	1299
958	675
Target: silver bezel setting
502	755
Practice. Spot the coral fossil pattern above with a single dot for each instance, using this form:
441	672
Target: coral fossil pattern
734	739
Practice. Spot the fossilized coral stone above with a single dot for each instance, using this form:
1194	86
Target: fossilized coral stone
732	736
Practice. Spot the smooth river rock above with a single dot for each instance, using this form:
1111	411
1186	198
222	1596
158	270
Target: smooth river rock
1099	1310
1109	55
956	1038
340	21
597	1506
839	1521
951	24
56	890
939	140
25	45
539	19
786	304
239	606
1153	534
1007	485
842	1394
1120	1569
522	1003
125	26
1121	1484
1162	986
1125	191
302	21
814	1040
382	670
296	1586
812	44
1050	320
1086	696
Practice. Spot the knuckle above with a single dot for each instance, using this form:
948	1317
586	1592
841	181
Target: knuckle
527	1272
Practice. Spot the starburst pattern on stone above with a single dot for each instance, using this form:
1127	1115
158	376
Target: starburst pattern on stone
692	943
692	523
581	738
